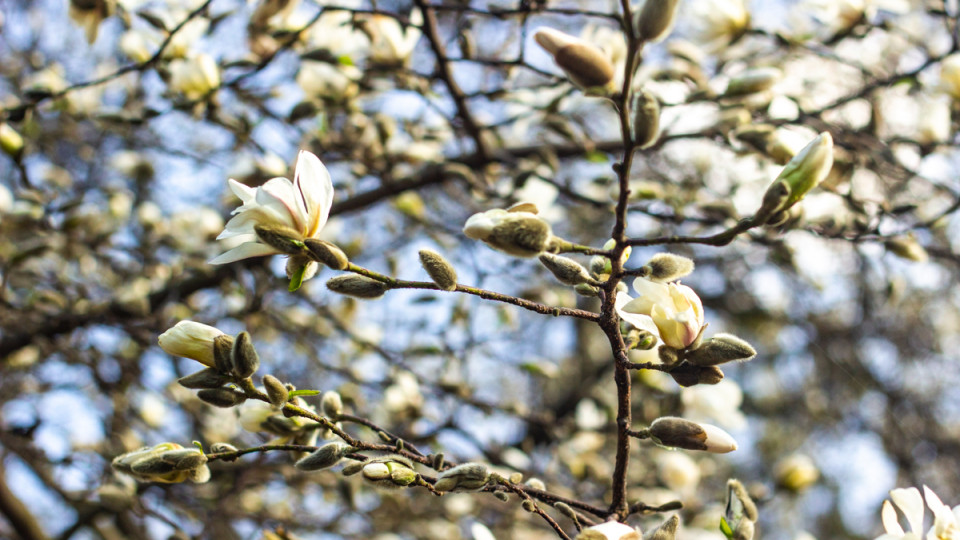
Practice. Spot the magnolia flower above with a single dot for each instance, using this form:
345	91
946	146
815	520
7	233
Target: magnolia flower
719	22
194	77
950	76
611	530
390	43
671	310
808	168
302	205
946	524
192	340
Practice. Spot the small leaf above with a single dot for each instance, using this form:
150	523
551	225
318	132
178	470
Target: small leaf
596	156
199	445
296	280
725	528
304	393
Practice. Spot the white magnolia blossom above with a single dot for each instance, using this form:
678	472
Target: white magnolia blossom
946	522
670	310
718	22
841	15
611	530
194	77
302	205
192	340
336	33
390	43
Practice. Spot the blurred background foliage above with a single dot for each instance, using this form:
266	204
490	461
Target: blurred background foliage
132	114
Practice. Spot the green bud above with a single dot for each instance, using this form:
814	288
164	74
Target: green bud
566	510
907	247
667	530
666	267
324	457
221	397
327	253
646	119
331	404
464	477
740	509
353	468
600	265
521	236
221	447
720	349
529	505
276	391
206	378
567	271
244	356
222	345
501	496
440	270
584	289
10	141
668	355
403	476
655	20
691	375
536	483
808	168
680	433
357	286
752	81
283	239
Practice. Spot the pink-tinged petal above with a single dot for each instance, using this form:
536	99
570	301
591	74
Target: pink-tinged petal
244	251
244	222
313	182
280	195
910	502
888	516
693	299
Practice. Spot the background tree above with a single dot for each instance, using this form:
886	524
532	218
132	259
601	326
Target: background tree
120	122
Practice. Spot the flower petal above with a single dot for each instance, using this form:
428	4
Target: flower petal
638	320
909	502
312	181
244	251
888	516
244	192
244	222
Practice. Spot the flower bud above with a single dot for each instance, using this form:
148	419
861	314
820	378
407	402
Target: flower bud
741	512
389	471
584	289
327	253
584	63
646	119
283	239
774	200
353	468
331	404
357	286
190	340
681	433
222	345
720	349
464	477
10	141
667	530
567	271
752	81
324	457
516	232
276	391
206	378
796	472
907	247
808	168
221	447
655	20
611	530
221	397
244	356
440	270
536	483
665	267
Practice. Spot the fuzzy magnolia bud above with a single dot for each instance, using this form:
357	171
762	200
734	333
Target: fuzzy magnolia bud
665	267
221	397
220	447
646	119
390	472
774	200
165	462
740	513
907	247
276	390
327	253
667	530
357	286
655	20
244	356
222	345
10	141
567	271
283	239
752	81
584	63
517	232
611	530
681	433
440	270
464	477
584	289
324	457
331	404
207	378
808	168
720	349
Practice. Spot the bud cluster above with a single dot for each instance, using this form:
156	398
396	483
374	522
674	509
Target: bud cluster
167	463
390	472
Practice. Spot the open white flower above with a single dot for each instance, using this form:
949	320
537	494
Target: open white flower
719	22
946	522
611	530
302	205
192	340
671	310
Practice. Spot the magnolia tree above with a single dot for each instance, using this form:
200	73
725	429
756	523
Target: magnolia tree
389	269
